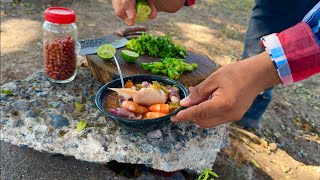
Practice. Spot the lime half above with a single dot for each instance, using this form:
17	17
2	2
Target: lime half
129	56
106	51
143	10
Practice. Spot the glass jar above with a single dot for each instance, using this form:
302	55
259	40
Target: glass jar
60	44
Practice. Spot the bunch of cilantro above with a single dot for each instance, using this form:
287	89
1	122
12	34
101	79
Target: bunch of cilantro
156	46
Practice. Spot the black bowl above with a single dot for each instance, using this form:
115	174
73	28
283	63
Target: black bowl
138	125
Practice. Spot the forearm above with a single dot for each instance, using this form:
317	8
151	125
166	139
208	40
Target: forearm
260	71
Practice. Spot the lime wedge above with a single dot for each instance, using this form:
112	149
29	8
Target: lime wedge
129	56
106	51
143	10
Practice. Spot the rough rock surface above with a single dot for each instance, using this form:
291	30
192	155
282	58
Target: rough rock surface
48	123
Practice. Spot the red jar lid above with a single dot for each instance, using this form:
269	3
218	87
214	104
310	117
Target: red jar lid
60	15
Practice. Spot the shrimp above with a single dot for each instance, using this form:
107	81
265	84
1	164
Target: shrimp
163	108
151	115
128	84
134	107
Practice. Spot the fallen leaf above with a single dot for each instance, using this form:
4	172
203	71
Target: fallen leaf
7	92
79	106
81	125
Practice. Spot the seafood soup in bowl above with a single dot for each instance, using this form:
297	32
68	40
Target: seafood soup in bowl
145	104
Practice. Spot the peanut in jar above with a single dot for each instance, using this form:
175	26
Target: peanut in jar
60	45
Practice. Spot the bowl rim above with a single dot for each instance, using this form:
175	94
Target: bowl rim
112	116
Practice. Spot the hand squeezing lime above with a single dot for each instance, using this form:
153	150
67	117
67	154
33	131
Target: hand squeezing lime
106	51
143	10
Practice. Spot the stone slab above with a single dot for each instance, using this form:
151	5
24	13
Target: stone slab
27	118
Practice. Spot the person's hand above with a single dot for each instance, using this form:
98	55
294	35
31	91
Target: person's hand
227	94
126	9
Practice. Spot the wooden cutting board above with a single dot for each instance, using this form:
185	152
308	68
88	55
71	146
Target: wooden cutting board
105	71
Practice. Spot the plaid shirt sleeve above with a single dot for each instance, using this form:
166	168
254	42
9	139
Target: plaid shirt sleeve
296	51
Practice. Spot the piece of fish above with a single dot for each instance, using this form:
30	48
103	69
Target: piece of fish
150	96
144	97
126	93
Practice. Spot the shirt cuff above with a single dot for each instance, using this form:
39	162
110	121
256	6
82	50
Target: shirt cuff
277	55
295	52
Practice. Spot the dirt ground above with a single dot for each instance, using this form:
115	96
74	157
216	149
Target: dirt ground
286	147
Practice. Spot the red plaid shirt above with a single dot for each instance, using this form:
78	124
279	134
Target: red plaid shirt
302	51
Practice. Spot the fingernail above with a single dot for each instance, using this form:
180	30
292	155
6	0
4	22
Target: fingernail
185	100
173	119
130	14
